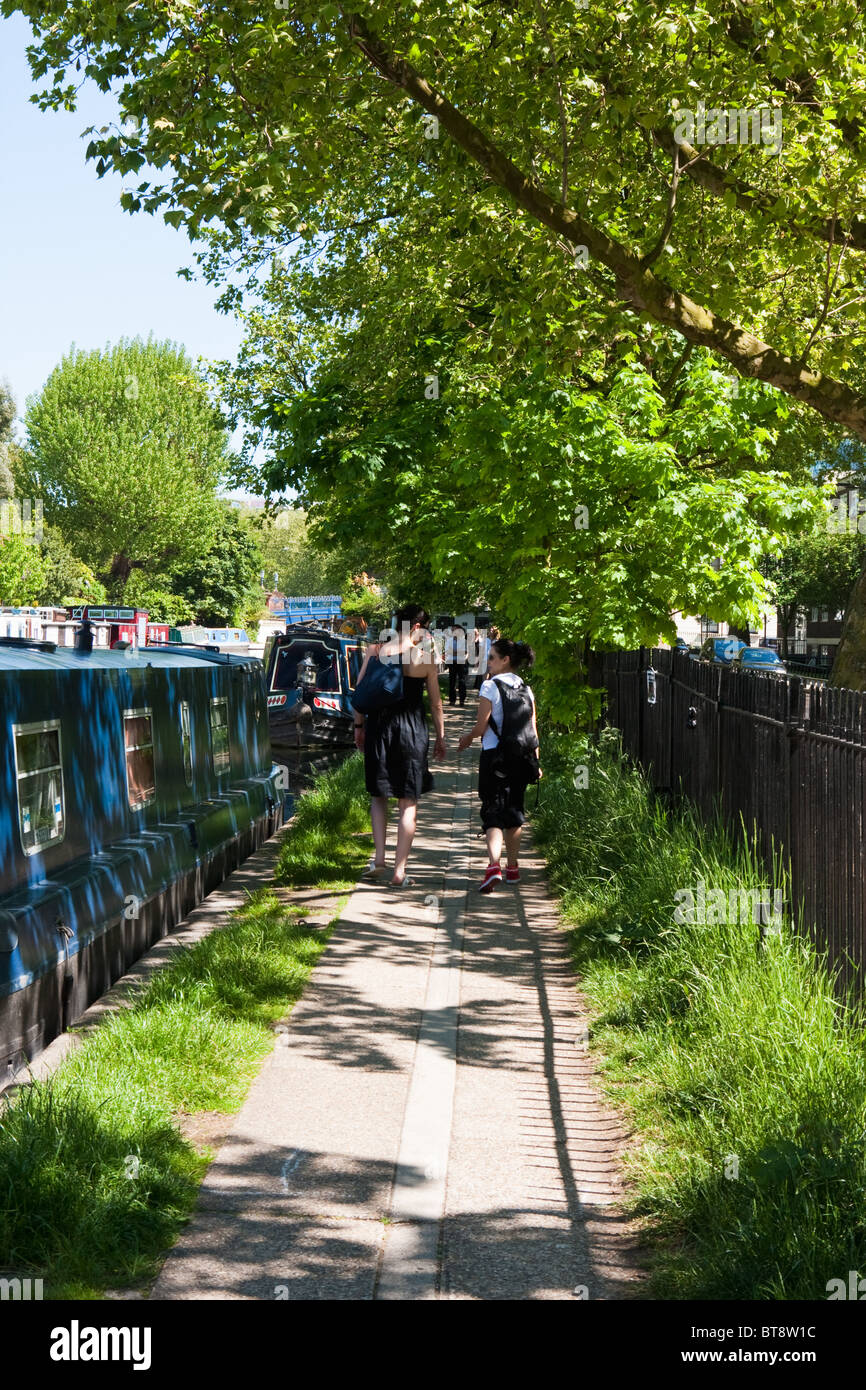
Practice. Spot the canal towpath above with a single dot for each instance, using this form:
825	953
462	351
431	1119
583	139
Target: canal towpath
430	1125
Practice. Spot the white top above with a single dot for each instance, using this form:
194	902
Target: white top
490	691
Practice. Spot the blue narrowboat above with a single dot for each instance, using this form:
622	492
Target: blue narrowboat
310	676
131	784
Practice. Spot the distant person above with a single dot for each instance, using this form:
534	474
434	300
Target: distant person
84	637
457	661
395	740
503	775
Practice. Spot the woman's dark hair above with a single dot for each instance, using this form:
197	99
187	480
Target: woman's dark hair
518	653
412	613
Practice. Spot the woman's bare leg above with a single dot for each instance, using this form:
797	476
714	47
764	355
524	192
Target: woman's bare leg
379	822
512	845
494	844
408	811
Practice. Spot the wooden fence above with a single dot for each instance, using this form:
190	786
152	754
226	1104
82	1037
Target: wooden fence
784	757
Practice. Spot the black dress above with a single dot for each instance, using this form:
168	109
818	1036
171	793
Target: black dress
396	744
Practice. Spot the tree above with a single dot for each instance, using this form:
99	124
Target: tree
632	135
160	604
585	517
126	450
817	569
219	585
287	550
8	412
418	157
23	571
67	579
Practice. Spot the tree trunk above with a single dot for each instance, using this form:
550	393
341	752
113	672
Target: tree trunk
121	568
849	668
786	612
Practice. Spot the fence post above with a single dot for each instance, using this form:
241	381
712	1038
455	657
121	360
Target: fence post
793	730
674	658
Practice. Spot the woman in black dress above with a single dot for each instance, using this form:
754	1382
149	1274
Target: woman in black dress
395	740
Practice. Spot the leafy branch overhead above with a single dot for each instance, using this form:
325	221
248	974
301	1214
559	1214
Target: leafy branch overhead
293	122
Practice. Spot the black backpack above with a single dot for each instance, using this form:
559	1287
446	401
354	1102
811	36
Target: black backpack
517	748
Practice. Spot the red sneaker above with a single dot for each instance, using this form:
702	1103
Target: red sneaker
492	876
512	875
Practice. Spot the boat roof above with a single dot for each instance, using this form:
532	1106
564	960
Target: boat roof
22	656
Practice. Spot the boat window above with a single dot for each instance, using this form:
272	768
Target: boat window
186	742
219	729
138	745
355	660
41	815
289	658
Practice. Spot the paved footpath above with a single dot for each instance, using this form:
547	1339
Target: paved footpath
428	1127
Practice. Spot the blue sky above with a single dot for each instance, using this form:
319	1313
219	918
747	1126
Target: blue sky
77	269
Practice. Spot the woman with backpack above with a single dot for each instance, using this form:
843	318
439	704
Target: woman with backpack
507	727
394	737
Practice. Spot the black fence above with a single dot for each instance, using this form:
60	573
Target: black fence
784	757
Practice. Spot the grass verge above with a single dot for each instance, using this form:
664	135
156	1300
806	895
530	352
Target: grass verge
96	1180
742	1071
329	841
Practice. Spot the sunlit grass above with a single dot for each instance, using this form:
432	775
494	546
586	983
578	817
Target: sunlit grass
744	1072
329	841
96	1181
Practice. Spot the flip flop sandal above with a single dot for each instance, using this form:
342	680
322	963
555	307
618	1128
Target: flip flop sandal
373	870
406	882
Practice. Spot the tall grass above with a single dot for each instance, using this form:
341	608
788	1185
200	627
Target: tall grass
96	1179
329	841
744	1073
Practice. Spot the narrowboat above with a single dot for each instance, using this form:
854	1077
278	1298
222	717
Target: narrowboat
310	676
131	783
233	640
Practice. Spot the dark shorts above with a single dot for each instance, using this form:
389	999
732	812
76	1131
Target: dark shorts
501	799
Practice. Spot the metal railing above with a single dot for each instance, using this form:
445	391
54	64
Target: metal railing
784	757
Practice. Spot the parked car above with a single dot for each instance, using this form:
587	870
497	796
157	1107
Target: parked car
759	659
720	651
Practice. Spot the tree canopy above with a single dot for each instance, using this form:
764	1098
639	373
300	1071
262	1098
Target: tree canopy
501	265
126	450
497	125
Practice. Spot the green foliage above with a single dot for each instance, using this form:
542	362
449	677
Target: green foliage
8	411
23	571
370	259
161	604
362	596
222	583
276	124
126	450
718	1047
67	579
287	549
818	568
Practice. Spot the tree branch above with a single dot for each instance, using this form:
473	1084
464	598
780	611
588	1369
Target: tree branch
702	171
643	290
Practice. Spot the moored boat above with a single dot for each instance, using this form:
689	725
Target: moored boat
131	784
310	676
